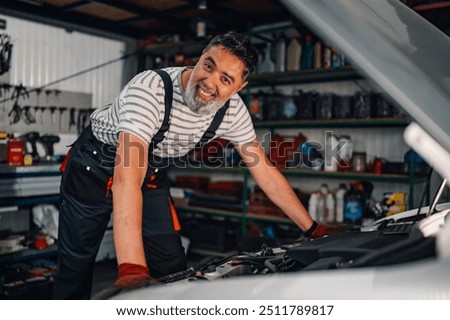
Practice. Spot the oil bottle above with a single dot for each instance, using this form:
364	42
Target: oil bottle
354	205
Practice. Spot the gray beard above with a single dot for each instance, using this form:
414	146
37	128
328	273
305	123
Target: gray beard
197	104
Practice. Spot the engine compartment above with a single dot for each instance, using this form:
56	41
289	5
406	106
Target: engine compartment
388	241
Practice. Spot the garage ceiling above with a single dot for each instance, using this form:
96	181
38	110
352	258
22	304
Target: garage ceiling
144	18
141	19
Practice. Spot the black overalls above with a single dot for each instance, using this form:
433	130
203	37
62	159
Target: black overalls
86	206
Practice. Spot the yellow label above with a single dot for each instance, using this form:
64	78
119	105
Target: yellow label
27	160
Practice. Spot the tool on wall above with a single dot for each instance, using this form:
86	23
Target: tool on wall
16	111
28	117
52	114
5	53
42	114
61	111
72	118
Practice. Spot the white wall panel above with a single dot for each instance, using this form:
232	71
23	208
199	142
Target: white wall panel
43	54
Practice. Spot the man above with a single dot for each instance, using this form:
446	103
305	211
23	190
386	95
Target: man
117	163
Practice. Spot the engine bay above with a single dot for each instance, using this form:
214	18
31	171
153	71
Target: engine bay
388	241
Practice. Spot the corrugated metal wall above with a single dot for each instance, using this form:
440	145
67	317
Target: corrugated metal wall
43	54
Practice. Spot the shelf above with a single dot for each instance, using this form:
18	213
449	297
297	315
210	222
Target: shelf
306	76
253	216
230	214
334	123
190	47
304	172
399	178
29	201
431	6
29	254
208	211
38	170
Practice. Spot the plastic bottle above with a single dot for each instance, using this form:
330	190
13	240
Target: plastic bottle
320	211
318	55
330	208
353	206
340	194
327	58
294	52
267	64
335	59
325	205
331	152
312	205
307	59
201	28
346	148
280	52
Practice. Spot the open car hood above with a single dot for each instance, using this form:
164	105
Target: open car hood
404	55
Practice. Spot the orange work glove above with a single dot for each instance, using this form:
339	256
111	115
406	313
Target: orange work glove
320	230
133	276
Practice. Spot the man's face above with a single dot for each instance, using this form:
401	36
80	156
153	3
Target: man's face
215	78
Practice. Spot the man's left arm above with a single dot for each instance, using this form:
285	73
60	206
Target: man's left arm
274	184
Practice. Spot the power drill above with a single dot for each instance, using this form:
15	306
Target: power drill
32	137
48	141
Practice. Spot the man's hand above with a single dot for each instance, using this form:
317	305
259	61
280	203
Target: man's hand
320	230
130	276
133	276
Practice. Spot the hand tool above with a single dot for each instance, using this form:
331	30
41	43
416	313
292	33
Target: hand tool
42	114
16	111
61	111
72	118
28	117
52	112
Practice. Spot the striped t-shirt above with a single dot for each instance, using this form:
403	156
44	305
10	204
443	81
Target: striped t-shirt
139	109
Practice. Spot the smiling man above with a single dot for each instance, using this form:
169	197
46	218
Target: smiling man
119	164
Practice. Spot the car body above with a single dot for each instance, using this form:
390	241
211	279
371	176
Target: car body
405	256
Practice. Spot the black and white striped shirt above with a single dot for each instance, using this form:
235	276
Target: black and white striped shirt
139	109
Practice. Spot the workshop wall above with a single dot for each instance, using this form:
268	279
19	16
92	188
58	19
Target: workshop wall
47	57
43	54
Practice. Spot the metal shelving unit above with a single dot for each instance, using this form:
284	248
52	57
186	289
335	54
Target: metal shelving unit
334	123
293	78
274	79
27	187
304	76
245	216
29	254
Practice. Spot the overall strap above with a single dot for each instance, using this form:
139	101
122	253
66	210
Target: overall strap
211	131
168	97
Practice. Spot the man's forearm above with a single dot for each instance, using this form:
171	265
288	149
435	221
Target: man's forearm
127	224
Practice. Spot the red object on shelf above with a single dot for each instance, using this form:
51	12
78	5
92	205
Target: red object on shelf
40	242
282	149
15	150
